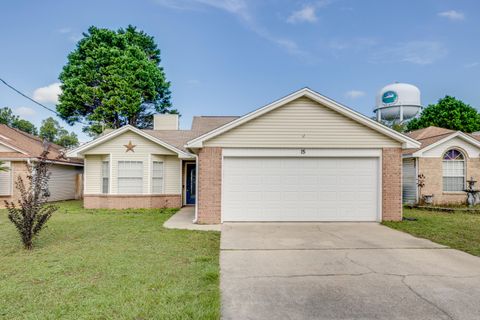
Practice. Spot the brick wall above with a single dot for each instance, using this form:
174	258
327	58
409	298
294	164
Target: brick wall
111	201
432	168
209	186
392	184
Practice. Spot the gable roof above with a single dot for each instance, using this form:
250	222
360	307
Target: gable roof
406	141
87	146
27	146
428	132
173	140
433	136
200	125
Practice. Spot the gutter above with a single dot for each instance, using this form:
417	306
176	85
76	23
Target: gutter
197	189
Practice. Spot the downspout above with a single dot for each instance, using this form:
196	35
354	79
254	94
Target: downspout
197	189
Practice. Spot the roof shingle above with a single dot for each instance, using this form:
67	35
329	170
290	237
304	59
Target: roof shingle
200	125
30	146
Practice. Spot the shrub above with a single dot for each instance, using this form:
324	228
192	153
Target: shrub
32	212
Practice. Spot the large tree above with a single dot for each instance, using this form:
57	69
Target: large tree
53	132
449	113
113	78
7	117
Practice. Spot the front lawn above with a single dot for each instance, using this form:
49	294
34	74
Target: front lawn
106	264
456	230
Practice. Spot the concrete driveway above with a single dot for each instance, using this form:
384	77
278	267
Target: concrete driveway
343	271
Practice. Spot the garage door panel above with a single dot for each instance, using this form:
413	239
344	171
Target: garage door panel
300	189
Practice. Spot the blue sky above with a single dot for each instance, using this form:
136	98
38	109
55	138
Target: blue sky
228	57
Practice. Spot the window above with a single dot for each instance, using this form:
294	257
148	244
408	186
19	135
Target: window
6	180
157	177
453	171
105	176
130	177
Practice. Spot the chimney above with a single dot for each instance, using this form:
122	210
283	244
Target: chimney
165	121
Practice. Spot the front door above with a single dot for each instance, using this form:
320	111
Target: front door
191	187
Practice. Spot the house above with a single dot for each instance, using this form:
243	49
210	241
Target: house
447	159
303	157
18	148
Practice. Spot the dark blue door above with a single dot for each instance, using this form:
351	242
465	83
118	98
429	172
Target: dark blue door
191	187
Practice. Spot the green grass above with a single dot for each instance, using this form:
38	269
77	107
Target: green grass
109	264
456	230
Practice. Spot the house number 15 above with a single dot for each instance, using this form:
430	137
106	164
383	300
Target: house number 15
302	151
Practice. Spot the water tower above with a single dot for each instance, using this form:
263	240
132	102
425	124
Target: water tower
398	102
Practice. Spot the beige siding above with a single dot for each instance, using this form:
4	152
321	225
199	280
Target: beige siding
302	123
145	151
116	146
172	170
438	151
93	173
62	184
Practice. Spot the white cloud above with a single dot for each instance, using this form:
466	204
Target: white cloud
354	94
306	14
452	15
48	94
70	34
416	52
242	11
24	111
472	65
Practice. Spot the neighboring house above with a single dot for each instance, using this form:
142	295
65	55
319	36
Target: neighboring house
304	157
447	159
17	148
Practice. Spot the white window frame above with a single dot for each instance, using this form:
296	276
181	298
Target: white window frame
105	177
453	175
8	173
121	177
154	177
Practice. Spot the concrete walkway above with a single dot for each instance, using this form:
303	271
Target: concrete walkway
343	271
183	220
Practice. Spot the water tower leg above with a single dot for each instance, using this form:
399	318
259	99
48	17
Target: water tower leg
401	114
379	115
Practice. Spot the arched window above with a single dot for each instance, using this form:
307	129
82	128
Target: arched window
453	171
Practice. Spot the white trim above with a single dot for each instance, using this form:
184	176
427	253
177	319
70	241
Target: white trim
151	177
48	161
321	153
110	178
13	148
184	182
297	152
197	191
222	192
459	134
142	177
417	172
77	152
182	189
306	92
84	176
380	188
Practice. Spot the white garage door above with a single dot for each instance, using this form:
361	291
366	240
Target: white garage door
300	189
